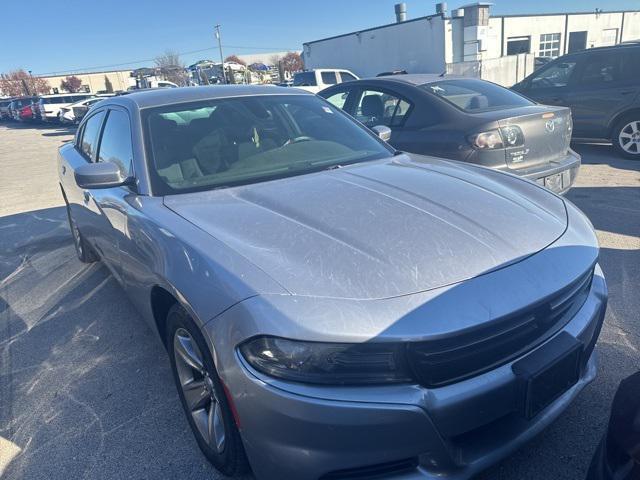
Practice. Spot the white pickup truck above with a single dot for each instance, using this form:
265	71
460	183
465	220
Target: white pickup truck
321	78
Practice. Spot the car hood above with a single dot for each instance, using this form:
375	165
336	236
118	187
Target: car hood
380	229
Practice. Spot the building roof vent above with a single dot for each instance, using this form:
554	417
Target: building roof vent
457	13
401	12
441	8
476	14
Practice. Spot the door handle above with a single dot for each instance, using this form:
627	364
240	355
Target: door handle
86	196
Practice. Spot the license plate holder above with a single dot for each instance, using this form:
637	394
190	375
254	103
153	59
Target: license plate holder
547	372
558	181
553	182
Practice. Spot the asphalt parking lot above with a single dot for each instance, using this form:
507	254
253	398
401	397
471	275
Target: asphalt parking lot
86	389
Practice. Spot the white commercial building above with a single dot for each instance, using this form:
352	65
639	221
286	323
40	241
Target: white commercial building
470	35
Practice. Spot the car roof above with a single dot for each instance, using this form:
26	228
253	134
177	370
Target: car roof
56	95
156	97
629	44
417	78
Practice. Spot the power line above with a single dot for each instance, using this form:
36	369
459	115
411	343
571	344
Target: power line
98	67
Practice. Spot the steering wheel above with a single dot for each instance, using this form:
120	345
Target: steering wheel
302	138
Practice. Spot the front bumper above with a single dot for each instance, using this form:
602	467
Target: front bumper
50	117
453	432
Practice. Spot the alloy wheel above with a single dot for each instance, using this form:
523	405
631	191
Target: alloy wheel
198	390
629	137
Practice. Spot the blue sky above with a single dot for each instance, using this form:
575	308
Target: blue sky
75	34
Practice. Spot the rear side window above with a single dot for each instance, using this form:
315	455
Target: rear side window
89	138
475	95
329	78
614	67
115	145
556	75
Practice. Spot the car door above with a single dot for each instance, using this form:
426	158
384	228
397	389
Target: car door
84	150
110	204
605	85
551	84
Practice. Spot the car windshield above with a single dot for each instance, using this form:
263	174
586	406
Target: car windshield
475	95
234	141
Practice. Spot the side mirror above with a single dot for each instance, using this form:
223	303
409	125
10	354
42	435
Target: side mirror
100	175
383	132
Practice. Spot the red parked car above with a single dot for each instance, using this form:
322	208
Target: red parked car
22	109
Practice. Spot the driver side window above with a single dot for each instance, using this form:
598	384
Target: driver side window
555	76
380	108
89	138
338	99
115	145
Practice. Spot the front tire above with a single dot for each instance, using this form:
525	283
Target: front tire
626	136
202	394
83	249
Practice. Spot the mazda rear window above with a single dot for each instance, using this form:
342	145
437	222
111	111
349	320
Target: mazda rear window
475	95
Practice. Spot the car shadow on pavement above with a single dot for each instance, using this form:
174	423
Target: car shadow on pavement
46	129
615	213
603	153
86	388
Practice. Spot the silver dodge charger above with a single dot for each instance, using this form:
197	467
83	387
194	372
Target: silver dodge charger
333	308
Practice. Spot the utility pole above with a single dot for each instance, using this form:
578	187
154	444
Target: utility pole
224	73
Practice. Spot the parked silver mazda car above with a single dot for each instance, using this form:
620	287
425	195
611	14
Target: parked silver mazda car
333	308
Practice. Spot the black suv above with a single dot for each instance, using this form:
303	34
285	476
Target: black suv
601	86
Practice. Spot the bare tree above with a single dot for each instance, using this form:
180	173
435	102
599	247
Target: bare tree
71	84
274	60
19	82
171	67
292	62
235	59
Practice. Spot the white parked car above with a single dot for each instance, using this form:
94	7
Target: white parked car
73	113
49	105
321	78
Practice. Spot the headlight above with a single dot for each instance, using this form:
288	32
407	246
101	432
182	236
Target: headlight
512	136
487	140
327	363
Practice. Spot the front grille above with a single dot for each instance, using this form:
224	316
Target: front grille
373	471
441	362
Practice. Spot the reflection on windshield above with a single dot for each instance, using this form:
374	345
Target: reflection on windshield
233	141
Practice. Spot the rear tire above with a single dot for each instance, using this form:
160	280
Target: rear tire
83	249
202	395
625	136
